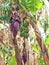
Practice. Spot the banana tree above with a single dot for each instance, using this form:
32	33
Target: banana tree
24	10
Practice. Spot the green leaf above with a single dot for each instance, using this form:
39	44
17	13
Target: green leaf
4	51
35	48
24	29
12	61
32	5
41	62
47	39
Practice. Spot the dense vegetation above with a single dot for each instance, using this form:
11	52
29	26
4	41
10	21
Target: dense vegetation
24	32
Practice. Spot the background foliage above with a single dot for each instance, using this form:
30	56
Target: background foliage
33	7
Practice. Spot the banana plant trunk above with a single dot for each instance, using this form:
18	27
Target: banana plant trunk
18	56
